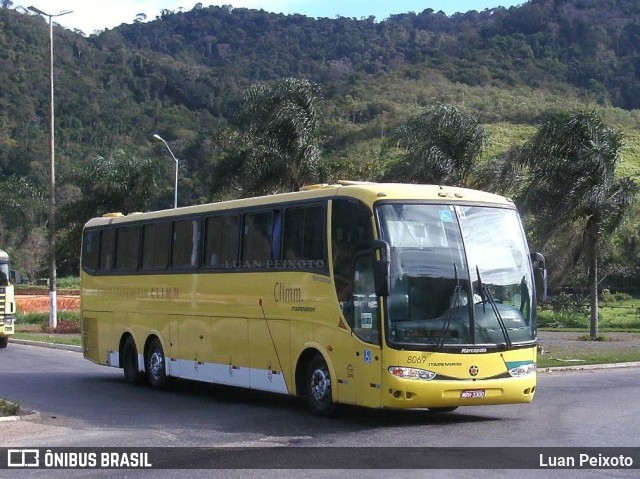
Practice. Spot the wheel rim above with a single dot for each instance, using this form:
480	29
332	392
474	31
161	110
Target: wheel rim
156	364
320	384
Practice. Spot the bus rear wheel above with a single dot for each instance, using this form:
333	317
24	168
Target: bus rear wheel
156	365
130	362
319	388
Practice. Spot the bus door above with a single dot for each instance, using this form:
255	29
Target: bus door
365	320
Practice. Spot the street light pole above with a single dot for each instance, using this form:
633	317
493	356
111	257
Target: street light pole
53	300
175	190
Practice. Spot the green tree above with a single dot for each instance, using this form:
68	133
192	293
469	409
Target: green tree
277	149
119	183
22	207
440	146
569	172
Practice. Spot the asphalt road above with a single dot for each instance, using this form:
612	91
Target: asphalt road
85	405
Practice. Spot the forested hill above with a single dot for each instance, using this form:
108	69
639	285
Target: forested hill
183	74
592	44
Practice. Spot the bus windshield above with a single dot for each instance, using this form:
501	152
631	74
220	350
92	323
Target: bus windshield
460	275
4	274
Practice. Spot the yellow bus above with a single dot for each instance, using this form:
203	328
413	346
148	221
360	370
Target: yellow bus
378	295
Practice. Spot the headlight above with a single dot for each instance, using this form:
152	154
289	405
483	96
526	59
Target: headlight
412	373
523	370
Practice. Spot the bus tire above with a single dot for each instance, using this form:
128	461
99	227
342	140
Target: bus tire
4	342
319	388
156	365
130	362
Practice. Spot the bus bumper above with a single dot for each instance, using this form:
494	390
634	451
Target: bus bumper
405	393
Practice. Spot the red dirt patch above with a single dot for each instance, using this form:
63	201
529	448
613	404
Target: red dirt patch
40	304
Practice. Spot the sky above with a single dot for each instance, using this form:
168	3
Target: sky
91	15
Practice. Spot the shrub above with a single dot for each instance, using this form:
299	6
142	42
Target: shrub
566	303
606	296
8	408
63	327
622	297
562	319
38	318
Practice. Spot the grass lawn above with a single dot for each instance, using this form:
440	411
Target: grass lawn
573	348
68	339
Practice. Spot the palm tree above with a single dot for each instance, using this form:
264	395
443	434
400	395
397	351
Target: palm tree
441	146
279	143
569	171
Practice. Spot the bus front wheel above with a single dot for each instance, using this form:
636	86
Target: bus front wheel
319	388
156	365
4	342
130	362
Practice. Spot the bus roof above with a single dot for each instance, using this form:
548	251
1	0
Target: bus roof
368	192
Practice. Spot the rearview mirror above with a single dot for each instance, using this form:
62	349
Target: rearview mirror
381	267
539	265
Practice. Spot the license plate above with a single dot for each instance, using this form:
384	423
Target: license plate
472	394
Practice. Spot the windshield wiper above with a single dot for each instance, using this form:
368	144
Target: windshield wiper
454	302
486	293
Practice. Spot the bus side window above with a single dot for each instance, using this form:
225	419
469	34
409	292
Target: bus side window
91	250
107	240
127	248
276	235
304	234
186	244
155	245
221	244
257	238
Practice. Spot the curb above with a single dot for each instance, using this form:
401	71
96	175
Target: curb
589	367
33	415
42	344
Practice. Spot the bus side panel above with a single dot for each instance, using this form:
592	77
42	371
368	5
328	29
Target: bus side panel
91	338
99	343
195	357
335	344
231	351
269	355
341	354
173	366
